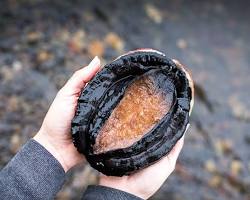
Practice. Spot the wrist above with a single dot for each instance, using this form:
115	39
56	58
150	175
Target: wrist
46	142
121	183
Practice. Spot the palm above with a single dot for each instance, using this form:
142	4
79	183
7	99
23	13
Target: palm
55	134
147	181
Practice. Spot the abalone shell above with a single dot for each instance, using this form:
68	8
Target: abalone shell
133	112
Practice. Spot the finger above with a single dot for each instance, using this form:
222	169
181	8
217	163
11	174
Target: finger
159	171
82	76
174	153
177	148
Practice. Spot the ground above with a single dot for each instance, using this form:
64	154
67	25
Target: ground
43	43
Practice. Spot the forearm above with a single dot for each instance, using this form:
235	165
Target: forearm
32	174
35	174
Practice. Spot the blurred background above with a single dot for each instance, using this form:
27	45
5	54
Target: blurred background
43	42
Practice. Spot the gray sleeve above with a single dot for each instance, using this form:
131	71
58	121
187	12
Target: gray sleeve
32	174
105	193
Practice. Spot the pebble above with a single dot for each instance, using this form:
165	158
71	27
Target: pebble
77	42
236	167
210	166
215	181
84	178
223	146
17	65
113	40
153	13
6	73
181	43
239	109
65	194
43	56
15	143
33	37
96	48
13	103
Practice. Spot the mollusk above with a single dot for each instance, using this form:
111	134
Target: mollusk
133	112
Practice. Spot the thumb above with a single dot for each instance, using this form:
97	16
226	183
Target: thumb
79	79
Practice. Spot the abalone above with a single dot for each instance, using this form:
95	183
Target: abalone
133	112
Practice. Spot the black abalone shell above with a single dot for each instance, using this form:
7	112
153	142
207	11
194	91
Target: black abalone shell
104	92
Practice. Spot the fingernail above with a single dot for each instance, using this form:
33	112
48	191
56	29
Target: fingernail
94	62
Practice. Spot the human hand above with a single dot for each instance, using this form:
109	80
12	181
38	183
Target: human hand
147	181
55	133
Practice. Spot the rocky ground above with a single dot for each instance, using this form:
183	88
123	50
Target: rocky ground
42	43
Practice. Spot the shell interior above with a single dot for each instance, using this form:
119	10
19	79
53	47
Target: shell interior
143	105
